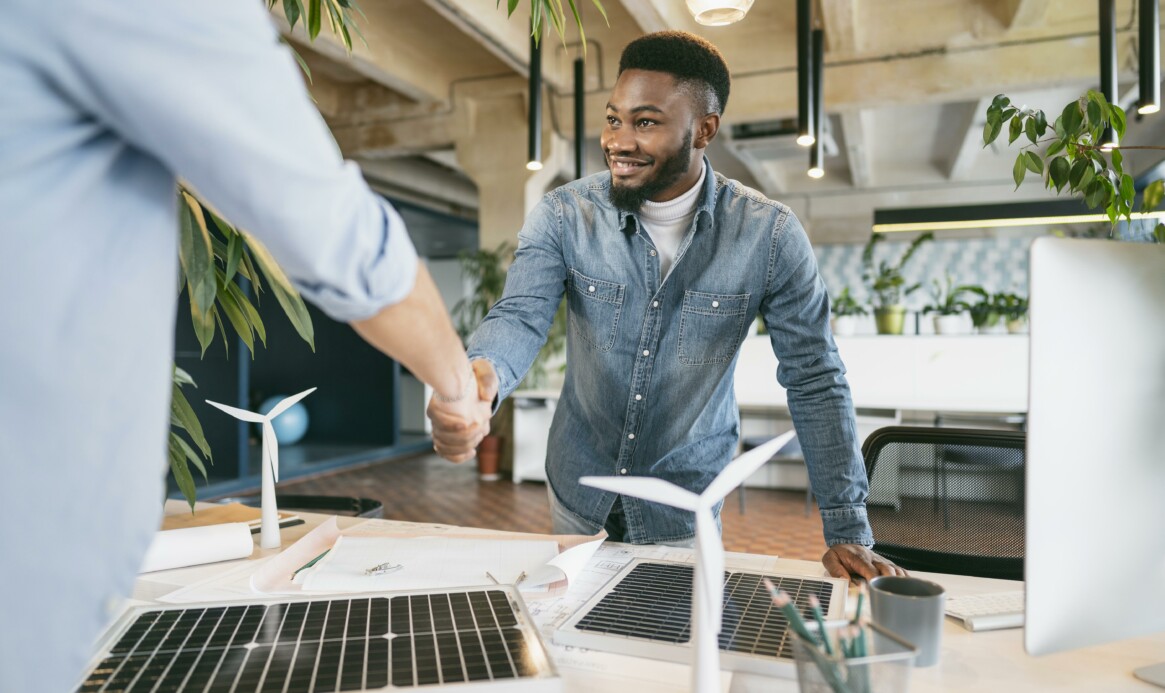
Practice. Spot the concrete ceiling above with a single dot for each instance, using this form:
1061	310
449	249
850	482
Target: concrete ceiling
906	86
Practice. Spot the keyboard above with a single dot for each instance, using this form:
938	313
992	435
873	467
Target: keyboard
987	611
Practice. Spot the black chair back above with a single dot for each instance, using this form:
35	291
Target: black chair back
948	500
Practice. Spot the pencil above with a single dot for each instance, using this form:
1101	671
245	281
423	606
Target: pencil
309	563
815	606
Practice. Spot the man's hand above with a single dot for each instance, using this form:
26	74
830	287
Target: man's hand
459	426
855	561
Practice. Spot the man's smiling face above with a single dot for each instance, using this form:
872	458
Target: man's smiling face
647	141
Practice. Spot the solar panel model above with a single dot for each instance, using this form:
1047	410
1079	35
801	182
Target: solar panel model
476	639
645	611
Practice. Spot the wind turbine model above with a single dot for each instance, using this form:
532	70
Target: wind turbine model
708	580
269	533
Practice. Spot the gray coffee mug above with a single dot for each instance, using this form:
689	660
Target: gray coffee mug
913	609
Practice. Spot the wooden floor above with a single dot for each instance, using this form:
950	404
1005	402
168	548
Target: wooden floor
427	488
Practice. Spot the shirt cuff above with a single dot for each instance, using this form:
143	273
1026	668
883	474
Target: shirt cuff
847	525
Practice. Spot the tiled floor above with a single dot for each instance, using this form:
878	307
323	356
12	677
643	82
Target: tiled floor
429	489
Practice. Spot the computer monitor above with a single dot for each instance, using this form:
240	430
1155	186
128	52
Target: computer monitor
1095	515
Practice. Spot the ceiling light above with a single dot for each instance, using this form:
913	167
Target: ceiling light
1148	19
718	12
805	114
1010	214
534	122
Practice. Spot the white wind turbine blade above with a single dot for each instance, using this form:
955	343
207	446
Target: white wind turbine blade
741	468
286	403
239	413
271	449
646	487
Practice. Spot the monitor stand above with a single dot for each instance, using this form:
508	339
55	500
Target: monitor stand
1154	674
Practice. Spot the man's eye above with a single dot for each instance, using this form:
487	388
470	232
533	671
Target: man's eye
612	121
644	122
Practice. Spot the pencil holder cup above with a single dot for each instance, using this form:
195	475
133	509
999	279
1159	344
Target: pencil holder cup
868	659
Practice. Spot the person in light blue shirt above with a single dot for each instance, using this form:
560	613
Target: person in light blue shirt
104	105
664	263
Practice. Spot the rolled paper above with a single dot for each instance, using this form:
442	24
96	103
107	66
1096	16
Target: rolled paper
179	548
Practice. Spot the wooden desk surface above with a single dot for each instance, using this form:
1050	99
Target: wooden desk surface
985	661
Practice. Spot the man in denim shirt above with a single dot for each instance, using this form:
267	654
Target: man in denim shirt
664	263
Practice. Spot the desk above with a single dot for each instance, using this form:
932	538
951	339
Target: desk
989	661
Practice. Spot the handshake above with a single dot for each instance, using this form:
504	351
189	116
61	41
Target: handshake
460	423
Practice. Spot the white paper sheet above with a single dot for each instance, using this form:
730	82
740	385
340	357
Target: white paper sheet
178	548
426	563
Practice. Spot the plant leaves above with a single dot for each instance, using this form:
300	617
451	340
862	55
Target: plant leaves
181	377
181	472
1127	191
1159	233
1095	114
1033	162
1071	119
1152	195
228	305
181	410
249	310
196	254
1019	170
291	11
289	299
314	16
1059	169
234	255
1118	120
1016	129
1030	128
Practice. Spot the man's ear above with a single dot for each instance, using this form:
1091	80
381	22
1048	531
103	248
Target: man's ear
706	129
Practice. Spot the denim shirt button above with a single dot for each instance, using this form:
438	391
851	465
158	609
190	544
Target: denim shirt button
715	304
630	436
591	289
646	352
655	304
622	471
652	253
638	397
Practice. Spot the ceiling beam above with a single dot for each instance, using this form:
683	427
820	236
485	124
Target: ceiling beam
507	38
858	129
389	139
965	149
1018	14
841	27
646	15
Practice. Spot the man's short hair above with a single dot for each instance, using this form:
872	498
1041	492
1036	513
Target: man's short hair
695	63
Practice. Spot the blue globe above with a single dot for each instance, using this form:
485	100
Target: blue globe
291	424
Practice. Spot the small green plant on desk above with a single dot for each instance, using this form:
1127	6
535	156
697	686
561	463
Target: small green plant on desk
1013	309
948	305
887	284
846	310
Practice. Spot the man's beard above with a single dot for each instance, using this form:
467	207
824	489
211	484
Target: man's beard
629	198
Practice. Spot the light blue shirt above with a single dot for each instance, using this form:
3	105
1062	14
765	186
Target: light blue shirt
102	105
650	358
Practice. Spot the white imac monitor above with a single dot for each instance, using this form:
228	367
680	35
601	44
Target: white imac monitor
1095	517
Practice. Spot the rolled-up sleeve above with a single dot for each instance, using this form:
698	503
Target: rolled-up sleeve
208	90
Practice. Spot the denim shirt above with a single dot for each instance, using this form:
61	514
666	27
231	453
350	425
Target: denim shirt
650	360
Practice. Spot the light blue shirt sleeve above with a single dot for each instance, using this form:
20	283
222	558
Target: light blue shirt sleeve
207	88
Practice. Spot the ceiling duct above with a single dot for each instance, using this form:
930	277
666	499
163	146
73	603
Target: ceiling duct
772	140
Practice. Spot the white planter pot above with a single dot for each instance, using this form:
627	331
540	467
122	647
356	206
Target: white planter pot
844	325
1017	326
950	324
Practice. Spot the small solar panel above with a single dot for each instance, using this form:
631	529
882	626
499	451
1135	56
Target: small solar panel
646	611
410	640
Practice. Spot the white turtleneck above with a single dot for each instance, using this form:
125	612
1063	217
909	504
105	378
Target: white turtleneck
667	222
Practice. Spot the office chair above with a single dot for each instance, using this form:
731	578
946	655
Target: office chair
948	500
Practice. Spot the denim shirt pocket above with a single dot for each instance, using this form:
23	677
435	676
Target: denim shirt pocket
711	326
597	304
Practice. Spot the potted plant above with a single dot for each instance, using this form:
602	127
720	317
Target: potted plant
949	307
887	285
846	311
1013	309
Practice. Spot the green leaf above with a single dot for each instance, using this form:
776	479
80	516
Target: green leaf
1055	148
1127	191
234	255
1000	101
1076	173
314	16
1019	170
991	130
1058	170
1033	162
203	324
599	6
196	254
1118	121
1159	233
289	299
1071	119
181	472
250	311
181	377
1152	196
291	11
181	410
234	314
1016	129
192	456
1095	113
1041	123
1094	193
1030	128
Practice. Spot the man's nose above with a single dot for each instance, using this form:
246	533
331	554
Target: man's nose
619	141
